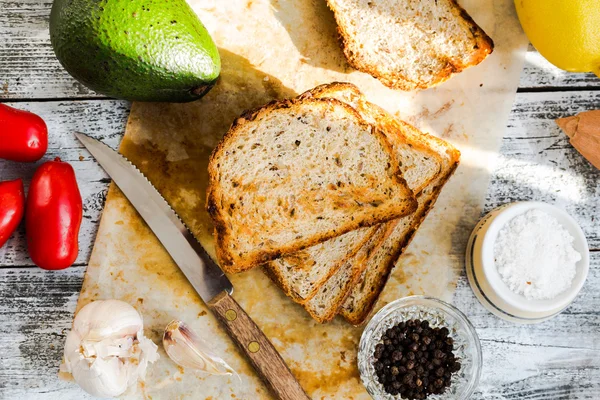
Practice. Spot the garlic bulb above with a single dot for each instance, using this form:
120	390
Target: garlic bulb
106	350
187	349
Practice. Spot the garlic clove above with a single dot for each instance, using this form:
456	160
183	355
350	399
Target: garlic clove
106	350
101	378
188	350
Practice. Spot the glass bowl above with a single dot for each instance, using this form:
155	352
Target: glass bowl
439	314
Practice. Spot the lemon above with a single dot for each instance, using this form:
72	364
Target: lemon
566	32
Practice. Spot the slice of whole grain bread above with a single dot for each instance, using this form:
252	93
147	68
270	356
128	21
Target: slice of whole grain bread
301	274
323	306
407	142
333	263
296	173
399	233
409	44
420	163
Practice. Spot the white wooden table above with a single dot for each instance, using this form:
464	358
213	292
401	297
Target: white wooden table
558	359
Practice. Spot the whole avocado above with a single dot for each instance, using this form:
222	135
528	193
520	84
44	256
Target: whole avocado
140	50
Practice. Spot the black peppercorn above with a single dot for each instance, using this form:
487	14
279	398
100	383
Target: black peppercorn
455	367
415	360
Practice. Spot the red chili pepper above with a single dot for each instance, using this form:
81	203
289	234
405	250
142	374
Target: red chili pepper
12	206
23	135
53	216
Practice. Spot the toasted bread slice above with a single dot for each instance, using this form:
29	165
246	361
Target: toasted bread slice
423	154
296	173
412	44
399	234
420	163
301	274
327	271
324	305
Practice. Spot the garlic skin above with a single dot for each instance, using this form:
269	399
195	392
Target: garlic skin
188	350
106	350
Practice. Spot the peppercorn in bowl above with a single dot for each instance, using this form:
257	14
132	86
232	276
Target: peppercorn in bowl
420	347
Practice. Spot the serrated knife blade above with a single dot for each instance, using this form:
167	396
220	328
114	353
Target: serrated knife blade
199	268
204	274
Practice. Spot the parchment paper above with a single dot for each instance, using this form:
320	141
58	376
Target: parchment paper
275	49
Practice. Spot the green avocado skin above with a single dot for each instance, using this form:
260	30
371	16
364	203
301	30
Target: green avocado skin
141	50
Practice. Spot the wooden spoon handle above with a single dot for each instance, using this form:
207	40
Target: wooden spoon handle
259	350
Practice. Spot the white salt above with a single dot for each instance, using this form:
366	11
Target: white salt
534	254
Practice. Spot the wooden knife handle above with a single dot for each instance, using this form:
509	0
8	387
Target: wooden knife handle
259	350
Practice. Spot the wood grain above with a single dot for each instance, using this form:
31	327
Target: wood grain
104	120
263	356
537	162
558	359
539	74
29	69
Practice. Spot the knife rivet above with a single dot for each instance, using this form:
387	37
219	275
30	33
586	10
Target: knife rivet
230	315
253	347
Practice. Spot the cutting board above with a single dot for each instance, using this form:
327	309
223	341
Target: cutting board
272	50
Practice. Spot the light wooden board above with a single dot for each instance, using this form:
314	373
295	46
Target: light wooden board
539	74
31	71
37	305
558	359
105	120
537	162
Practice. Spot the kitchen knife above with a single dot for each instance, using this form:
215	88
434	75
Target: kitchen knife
204	274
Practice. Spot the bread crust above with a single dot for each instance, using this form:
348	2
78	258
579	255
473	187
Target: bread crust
395	130
273	272
356	270
357	317
393	127
483	47
233	263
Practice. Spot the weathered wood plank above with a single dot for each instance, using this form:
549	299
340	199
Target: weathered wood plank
537	162
29	69
538	73
559	359
36	310
104	120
